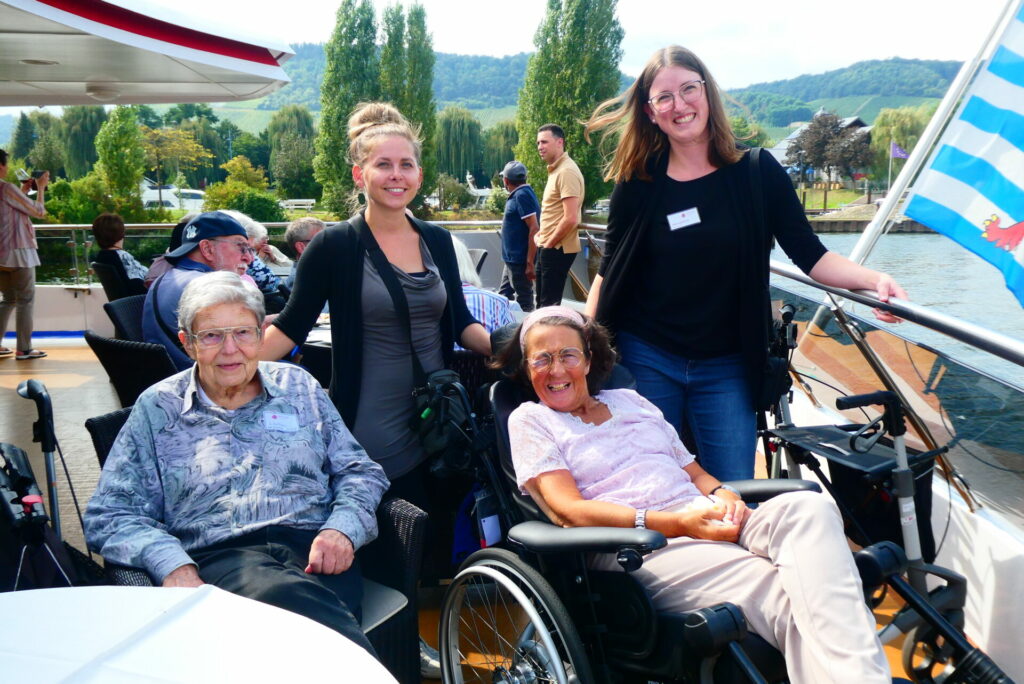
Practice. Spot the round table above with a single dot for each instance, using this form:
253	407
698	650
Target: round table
132	634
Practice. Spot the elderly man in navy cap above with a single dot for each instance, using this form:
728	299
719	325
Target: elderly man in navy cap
212	241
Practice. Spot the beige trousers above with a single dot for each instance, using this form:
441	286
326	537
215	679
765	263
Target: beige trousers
17	292
793	576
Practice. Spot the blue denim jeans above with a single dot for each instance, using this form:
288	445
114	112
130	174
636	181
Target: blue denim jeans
712	395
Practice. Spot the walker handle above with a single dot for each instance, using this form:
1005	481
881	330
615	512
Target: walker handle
893	411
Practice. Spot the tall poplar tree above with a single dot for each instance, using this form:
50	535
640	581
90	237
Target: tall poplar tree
351	76
23	138
420	107
81	124
574	68
392	57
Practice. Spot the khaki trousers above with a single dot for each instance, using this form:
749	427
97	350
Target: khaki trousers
18	289
793	576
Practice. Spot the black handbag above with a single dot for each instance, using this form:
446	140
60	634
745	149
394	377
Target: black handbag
442	418
773	379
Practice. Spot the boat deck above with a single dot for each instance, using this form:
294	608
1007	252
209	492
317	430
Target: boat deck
79	389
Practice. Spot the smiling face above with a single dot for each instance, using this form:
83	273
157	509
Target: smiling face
557	387
390	175
684	122
229	368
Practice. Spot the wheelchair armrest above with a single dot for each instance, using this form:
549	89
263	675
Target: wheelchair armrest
125	575
755	491
540	537
395	556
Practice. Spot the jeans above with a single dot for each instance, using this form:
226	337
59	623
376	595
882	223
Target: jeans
268	565
552	268
515	286
18	289
712	395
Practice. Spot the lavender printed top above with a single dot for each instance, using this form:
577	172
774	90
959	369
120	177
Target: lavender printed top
184	474
634	459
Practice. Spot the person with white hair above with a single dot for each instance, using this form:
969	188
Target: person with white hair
266	280
490	308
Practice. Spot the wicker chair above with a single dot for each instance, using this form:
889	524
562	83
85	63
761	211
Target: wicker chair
131	366
390	565
115	281
126	315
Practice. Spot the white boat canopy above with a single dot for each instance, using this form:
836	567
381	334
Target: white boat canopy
65	52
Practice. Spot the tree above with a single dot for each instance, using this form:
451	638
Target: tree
171	145
121	157
255	148
242	171
229	133
351	77
850	151
206	135
749	133
902	126
499	146
147	116
459	143
419	87
48	153
290	120
811	147
189	111
292	166
451	194
392	57
23	138
574	68
81	124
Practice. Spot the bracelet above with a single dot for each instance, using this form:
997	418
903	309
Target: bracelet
640	521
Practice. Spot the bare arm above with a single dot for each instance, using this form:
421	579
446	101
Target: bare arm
185	576
570	209
275	344
531	245
476	337
594	296
838	271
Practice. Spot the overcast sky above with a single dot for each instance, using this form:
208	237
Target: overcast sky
742	41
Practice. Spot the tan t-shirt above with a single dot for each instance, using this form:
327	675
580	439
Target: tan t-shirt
564	180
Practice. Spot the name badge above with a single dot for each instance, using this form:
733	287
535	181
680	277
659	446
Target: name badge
281	422
682	219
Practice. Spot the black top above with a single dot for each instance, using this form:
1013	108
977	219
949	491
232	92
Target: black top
699	289
331	270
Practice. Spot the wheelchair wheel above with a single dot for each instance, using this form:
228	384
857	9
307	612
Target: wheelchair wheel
502	623
926	657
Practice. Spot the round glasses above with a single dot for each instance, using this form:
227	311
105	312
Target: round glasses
244	336
688	92
571	357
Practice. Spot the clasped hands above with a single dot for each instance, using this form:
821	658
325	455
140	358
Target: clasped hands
722	520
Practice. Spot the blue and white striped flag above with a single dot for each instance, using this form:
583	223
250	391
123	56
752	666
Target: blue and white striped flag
972	189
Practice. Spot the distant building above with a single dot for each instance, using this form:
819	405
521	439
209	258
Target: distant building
781	149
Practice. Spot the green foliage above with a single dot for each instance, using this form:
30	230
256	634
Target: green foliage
451	194
419	106
48	153
223	195
241	170
205	133
147	116
255	148
459	143
392	57
827	146
291	119
574	69
770	109
259	205
350	77
496	202
868	107
478	81
499	145
749	133
902	126
24	137
78	201
121	157
172	146
293	168
189	111
81	124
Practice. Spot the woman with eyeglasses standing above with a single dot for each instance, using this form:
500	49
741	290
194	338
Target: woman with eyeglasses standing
684	280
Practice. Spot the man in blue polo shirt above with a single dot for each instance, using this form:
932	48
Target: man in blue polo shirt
212	241
519	226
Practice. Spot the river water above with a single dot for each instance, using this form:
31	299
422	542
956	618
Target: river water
938	273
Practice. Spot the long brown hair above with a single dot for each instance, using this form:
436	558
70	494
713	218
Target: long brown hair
638	139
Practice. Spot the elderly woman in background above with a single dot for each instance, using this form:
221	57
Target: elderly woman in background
609	458
240	473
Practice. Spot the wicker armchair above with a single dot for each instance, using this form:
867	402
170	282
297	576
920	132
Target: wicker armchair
126	315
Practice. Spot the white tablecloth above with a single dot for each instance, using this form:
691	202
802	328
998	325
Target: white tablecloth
152	634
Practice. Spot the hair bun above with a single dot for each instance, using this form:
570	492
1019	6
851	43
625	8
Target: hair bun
369	114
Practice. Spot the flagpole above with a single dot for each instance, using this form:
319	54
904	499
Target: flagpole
952	101
888	179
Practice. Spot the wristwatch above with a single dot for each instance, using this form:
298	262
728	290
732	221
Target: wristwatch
640	521
726	488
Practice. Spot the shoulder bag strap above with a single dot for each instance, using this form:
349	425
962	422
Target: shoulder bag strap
166	329
390	280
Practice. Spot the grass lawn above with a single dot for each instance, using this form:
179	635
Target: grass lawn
836	198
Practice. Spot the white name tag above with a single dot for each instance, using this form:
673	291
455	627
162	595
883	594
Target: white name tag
682	219
282	422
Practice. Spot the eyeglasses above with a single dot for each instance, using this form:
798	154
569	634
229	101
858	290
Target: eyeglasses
244	336
688	92
242	247
571	357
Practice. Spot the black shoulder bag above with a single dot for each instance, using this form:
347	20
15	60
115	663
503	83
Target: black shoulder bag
442	419
774	379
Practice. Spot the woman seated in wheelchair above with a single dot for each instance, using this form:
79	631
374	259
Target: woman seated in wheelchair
609	458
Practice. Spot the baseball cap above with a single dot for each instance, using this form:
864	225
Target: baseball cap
206	226
514	171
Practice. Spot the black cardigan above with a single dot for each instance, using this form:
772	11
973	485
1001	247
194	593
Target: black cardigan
331	270
632	203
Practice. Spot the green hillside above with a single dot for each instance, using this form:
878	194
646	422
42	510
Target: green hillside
867	107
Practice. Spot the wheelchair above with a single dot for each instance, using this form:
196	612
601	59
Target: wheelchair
530	609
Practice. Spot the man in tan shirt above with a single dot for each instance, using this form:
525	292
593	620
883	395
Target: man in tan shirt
558	239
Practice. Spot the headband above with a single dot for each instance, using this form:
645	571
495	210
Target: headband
547	312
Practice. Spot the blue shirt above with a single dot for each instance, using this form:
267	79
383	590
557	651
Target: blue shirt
265	279
521	204
183	474
490	308
167	289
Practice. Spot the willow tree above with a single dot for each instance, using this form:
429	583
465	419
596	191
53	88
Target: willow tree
121	158
459	143
419	105
575	68
81	124
499	146
351	76
902	126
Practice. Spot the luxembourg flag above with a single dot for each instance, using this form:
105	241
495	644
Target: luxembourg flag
972	189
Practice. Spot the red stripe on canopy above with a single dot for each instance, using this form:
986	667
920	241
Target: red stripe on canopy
141	25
